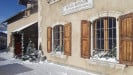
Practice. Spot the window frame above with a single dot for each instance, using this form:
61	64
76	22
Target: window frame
53	49
101	31
117	34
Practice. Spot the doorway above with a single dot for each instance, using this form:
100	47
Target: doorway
23	38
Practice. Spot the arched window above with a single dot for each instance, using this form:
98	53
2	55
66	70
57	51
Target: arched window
104	37
58	38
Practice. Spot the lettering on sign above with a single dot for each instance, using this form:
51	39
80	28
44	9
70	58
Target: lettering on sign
77	6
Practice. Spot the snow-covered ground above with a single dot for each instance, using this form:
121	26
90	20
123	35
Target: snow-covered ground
11	66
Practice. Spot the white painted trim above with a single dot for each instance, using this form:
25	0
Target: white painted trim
104	14
58	23
117	37
24	26
91	39
39	24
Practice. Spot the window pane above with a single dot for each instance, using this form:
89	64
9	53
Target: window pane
114	22
56	43
114	33
98	33
110	43
110	33
102	33
110	21
101	23
98	44
98	24
102	44
57	36
114	43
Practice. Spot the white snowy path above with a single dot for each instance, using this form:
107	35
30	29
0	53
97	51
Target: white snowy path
11	66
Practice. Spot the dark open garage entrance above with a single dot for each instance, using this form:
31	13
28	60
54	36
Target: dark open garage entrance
17	44
25	40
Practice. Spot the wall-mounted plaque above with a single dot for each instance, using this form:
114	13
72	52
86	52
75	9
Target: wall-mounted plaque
77	6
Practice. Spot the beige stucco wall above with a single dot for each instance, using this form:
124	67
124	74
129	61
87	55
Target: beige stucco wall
12	27
50	15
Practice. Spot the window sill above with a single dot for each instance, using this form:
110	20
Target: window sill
109	60
115	65
58	54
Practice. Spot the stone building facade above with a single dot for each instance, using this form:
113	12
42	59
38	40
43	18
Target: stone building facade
93	35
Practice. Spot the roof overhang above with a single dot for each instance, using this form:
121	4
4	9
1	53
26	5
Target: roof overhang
25	26
10	18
